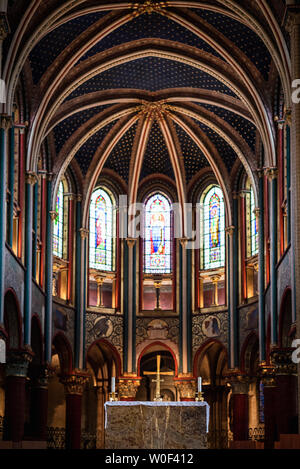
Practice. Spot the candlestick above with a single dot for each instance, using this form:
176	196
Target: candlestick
113	384
199	384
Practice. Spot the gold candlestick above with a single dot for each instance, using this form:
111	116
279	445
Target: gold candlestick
113	396
199	397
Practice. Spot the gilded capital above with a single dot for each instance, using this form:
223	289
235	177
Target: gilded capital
128	387
5	121
74	384
267	375
53	215
281	359
239	382
31	178
84	233
271	173
131	242
186	388
230	230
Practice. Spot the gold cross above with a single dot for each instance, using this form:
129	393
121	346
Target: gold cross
158	380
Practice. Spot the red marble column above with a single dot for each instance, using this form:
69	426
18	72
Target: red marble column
39	407
15	396
74	387
270	404
239	406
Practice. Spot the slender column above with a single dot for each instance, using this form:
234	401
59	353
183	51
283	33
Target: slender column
99	279
31	179
232	292
15	399
240	405
261	269
272	176
70	247
21	190
131	243
78	281
50	216
82	304
74	387
100	416
34	226
183	317
5	123
243	245
11	182
215	280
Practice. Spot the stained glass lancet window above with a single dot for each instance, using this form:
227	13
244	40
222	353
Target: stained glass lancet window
213	248
58	226
157	233
101	231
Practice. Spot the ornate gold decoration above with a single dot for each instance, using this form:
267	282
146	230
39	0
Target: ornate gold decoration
83	233
183	241
74	383
148	7
5	121
281	360
153	110
230	230
4	26
53	214
31	178
158	379
267	375
130	242
186	388
128	387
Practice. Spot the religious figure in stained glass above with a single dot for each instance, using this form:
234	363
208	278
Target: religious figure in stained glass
157	235
101	231
59	223
213	247
254	232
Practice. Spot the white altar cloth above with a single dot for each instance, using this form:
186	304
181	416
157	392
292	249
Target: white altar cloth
159	404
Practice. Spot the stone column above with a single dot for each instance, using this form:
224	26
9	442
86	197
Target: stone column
186	388
240	405
128	388
215	280
74	387
101	399
130	310
267	373
286	391
232	292
99	279
15	398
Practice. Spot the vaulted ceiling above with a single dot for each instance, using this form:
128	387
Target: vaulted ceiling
164	88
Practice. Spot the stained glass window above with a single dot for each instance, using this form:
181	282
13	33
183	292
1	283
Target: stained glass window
213	229
101	231
157	233
58	225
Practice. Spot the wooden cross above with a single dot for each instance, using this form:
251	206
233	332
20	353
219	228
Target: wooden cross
158	380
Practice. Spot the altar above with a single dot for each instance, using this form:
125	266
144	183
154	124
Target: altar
156	425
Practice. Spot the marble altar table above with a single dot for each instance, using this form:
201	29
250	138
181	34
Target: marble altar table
156	425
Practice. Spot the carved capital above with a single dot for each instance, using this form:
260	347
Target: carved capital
292	17
5	121
128	387
17	362
281	359
53	215
130	242
186	388
84	233
74	384
267	375
31	178
271	173
230	230
183	241
239	382
4	26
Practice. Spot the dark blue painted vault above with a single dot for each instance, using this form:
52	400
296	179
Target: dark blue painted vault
51	45
152	74
119	159
85	154
150	26
156	157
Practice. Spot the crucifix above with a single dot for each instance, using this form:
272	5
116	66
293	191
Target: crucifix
158	380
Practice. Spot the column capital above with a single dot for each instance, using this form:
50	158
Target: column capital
183	241
230	230
281	358
291	17
271	173
238	381
79	197
50	176
84	233
5	121
131	242
267	374
74	383
53	215
186	388
128	387
17	362
31	178
4	26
